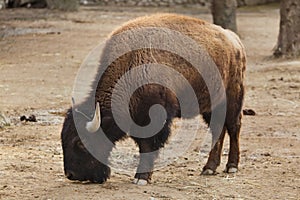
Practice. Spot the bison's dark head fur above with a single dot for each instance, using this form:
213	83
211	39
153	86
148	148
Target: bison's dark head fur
79	164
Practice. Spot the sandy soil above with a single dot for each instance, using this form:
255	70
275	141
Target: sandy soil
41	52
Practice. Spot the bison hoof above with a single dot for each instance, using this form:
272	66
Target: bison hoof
208	172
231	170
140	181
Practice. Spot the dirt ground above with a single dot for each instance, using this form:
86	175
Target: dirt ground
40	53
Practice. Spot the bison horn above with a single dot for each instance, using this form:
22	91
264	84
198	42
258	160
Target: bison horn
94	125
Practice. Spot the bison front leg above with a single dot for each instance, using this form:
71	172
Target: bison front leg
145	168
149	150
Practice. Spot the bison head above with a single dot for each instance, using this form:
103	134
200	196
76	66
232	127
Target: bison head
79	164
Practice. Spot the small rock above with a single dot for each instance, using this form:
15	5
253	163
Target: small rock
31	118
266	154
249	112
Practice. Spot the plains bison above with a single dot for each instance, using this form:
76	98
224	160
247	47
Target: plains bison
228	55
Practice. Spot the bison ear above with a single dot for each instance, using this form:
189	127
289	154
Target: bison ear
94	125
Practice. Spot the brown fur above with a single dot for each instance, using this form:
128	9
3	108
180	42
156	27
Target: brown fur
226	50
231	60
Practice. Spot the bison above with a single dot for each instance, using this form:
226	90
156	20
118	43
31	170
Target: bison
228	55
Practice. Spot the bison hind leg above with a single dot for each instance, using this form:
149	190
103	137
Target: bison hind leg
214	158
218	133
233	125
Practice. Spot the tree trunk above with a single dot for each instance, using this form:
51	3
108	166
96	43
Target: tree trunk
67	5
288	44
224	13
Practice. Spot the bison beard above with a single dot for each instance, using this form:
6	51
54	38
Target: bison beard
227	52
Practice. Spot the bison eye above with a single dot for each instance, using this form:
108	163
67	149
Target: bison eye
78	145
